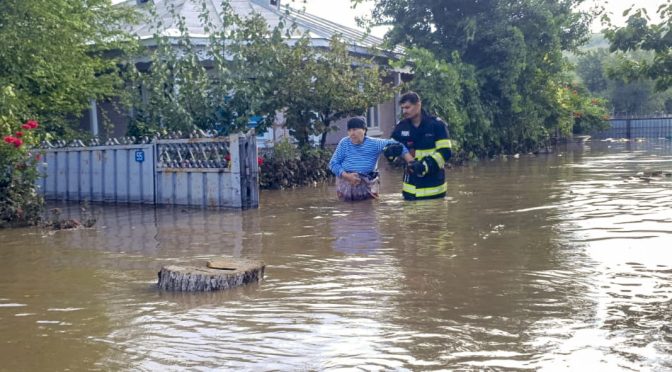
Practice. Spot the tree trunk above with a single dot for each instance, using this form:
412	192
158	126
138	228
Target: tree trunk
216	275
323	140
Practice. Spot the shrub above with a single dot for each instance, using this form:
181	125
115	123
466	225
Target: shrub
288	166
19	202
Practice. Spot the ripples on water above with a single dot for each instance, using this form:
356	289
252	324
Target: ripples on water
625	223
543	263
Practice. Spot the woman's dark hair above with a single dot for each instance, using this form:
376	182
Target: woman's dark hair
410	97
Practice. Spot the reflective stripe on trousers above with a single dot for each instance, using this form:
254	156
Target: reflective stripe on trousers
424	192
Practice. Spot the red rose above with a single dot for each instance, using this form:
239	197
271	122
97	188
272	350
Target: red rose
9	139
227	157
26	126
18	142
260	161
32	124
19	134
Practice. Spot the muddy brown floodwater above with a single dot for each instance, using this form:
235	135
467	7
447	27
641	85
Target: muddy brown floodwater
550	262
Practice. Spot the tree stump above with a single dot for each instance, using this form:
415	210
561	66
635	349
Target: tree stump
218	274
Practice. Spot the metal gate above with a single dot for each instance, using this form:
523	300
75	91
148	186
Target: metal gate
205	172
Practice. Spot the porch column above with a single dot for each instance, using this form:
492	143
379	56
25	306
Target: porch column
397	95
93	116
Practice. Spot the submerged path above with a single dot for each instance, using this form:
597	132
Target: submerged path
560	261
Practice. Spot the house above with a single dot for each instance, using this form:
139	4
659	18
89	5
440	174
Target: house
381	118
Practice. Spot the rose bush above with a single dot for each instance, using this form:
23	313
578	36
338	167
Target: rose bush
20	203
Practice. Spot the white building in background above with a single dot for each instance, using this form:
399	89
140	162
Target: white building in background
380	119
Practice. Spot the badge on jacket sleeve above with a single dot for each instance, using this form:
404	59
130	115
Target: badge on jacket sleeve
405	133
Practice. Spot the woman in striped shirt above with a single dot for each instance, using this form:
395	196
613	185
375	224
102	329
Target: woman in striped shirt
355	159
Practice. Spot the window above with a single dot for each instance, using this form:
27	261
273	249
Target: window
373	118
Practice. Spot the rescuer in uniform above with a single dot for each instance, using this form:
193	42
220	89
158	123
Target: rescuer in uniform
426	137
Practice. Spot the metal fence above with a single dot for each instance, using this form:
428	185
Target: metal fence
99	174
205	172
637	128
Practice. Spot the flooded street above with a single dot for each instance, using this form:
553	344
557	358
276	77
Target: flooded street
549	262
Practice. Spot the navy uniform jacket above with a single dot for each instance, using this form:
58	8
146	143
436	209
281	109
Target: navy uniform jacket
429	142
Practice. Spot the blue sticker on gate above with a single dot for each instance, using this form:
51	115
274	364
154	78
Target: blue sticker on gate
139	156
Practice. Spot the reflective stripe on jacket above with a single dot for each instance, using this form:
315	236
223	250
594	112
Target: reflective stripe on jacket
429	139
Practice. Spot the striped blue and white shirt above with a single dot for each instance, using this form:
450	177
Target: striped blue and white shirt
361	158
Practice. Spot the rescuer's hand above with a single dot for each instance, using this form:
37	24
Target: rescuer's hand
392	151
419	168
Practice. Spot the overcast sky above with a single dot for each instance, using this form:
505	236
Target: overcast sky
341	11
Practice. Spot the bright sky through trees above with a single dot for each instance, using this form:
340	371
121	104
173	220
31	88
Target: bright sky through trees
340	11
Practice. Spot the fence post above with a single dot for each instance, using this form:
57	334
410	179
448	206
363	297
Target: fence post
236	167
249	170
628	128
254	176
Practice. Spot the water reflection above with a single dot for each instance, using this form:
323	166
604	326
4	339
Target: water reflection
479	277
354	228
170	233
559	261
623	225
49	306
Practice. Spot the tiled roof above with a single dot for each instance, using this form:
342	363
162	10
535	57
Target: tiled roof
319	29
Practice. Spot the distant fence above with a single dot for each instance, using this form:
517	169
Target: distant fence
205	172
637	128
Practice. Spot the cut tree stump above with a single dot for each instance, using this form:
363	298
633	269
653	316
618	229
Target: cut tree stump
217	274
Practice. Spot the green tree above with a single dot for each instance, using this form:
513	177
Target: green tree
54	56
590	68
511	53
177	92
251	71
315	87
312	87
450	91
624	96
58	54
640	34
634	97
579	112
219	85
